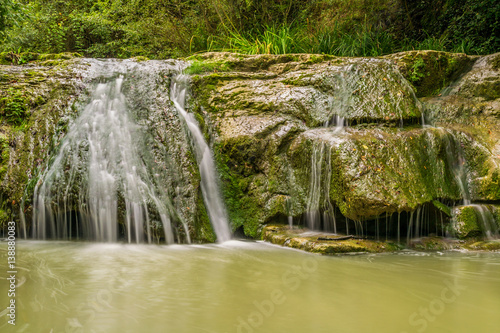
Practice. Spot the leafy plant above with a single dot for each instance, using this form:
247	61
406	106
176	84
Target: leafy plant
417	71
14	107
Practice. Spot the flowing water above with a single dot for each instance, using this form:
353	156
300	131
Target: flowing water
484	218
122	171
209	186
248	287
105	142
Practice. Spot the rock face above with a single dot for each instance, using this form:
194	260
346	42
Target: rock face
274	124
309	137
35	106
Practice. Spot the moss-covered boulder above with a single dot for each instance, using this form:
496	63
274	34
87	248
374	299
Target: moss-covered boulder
281	151
312	90
476	221
317	242
431	71
50	59
473	100
35	105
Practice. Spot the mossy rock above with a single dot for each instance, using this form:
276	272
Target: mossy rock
488	245
434	244
46	59
431	71
465	222
361	90
302	239
226	61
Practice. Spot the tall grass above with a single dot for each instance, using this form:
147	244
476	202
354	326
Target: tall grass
273	40
362	43
285	39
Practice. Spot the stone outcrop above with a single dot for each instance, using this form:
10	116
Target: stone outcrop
422	128
274	127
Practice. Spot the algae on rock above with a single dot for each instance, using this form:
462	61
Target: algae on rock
271	114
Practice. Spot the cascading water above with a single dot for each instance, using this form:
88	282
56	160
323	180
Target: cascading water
482	216
458	166
123	170
209	186
456	162
100	160
318	185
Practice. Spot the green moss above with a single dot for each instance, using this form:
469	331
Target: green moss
14	106
140	58
48	59
442	207
243	209
199	67
4	154
465	223
296	238
5	217
431	71
495	62
493	245
203	229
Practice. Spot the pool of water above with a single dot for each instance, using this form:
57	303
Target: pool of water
247	287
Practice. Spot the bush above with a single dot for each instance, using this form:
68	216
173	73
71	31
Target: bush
162	29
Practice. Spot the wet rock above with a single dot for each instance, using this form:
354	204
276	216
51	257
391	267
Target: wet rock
303	239
475	221
473	100
277	142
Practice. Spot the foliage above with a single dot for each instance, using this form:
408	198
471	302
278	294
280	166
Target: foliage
9	14
13	106
468	25
363	42
163	29
417	71
273	40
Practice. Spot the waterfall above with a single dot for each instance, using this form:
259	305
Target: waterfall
99	172
486	221
483	218
206	165
120	171
456	161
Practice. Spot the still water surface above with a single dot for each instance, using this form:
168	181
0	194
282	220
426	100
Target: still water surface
248	287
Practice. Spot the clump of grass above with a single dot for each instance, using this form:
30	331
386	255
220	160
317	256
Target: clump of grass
198	67
364	42
272	40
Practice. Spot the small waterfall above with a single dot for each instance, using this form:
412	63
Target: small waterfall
486	221
289	204
337	122
99	172
320	214
483	217
318	184
209	186
456	161
313	216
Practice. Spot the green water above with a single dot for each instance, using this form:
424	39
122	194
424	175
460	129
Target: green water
247	287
